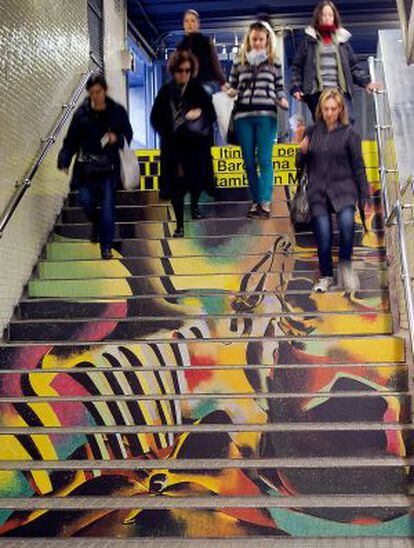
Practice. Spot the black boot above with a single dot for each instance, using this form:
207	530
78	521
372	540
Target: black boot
196	213
106	252
179	232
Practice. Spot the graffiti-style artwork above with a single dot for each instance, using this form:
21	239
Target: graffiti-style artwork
209	347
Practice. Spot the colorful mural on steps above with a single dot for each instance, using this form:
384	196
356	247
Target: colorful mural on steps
241	341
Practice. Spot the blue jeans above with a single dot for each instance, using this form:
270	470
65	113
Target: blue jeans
100	192
323	234
256	135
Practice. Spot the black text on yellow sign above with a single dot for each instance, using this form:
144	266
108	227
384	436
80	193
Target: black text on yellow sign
229	169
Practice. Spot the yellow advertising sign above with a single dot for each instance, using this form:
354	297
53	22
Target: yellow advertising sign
229	166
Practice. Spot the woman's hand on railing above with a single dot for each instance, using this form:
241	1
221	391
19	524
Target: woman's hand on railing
372	87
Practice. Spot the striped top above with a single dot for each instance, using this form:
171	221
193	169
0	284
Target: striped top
260	88
329	65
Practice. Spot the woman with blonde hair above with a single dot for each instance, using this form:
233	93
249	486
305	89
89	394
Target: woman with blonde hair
256	79
332	153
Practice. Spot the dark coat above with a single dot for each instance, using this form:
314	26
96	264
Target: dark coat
85	133
304	66
182	148
336	169
205	51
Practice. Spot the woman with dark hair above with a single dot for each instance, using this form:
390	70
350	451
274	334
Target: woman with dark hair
325	59
210	74
332	153
183	115
98	130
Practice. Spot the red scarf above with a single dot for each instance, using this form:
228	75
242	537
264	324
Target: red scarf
326	32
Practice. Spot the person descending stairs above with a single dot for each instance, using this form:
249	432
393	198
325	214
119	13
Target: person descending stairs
197	387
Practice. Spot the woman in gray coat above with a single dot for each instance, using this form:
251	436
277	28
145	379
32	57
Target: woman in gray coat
332	153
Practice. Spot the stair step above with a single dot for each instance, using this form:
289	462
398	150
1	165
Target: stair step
204	305
165	212
276	325
221	352
127	197
200	440
83	269
127	286
278	518
308	481
213	246
135	410
193	229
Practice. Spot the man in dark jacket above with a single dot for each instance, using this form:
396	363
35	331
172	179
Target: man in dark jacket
98	130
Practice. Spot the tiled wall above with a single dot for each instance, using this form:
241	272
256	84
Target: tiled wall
44	48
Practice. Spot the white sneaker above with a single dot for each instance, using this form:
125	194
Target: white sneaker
347	277
324	284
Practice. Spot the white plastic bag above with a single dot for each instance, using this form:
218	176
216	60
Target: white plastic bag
129	168
223	105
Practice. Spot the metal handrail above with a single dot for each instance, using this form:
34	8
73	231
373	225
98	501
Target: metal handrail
47	143
394	216
378	129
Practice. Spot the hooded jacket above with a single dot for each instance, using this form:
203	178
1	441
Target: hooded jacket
305	71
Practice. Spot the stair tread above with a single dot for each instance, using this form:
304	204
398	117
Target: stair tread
376	500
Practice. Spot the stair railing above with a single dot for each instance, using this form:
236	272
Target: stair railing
24	184
394	212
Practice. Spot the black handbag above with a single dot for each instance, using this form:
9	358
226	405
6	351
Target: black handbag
299	205
231	131
91	165
199	127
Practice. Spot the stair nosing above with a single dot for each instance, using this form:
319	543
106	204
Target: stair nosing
183	369
191	293
328	426
208	463
191	396
245	340
301	273
203	317
213	501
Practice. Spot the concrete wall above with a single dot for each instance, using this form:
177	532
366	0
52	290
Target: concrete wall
115	40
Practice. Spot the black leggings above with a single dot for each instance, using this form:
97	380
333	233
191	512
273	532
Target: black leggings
178	202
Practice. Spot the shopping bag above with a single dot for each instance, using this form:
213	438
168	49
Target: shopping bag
129	168
223	105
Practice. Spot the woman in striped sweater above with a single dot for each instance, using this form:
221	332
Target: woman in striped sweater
256	79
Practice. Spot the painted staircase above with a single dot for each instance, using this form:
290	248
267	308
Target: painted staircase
196	387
